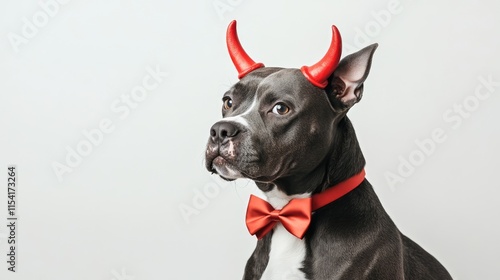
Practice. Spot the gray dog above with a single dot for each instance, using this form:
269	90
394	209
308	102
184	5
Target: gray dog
287	130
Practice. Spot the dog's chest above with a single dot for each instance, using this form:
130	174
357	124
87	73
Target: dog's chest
287	252
285	257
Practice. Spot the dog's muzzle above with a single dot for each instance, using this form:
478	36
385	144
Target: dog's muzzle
221	150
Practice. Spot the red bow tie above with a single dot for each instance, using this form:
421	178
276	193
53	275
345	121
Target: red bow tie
296	215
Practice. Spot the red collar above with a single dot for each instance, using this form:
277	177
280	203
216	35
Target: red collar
261	217
335	192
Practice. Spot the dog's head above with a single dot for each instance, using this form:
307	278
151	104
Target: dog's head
280	124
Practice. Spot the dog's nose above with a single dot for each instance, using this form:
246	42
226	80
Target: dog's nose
222	131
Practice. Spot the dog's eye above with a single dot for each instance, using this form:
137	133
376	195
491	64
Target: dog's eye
280	109
228	103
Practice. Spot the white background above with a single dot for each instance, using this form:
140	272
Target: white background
117	214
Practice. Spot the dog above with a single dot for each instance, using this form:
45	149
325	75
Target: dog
287	130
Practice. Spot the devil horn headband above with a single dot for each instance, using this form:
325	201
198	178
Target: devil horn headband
243	63
317	73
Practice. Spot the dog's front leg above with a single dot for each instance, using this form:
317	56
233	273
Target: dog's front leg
257	263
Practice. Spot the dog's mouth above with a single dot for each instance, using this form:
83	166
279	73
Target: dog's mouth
225	169
232	161
229	171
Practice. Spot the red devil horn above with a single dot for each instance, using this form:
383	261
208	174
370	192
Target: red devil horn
318	73
244	64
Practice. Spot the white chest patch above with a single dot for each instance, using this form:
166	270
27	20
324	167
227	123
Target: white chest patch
287	251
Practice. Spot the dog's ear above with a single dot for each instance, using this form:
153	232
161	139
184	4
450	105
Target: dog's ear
345	85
